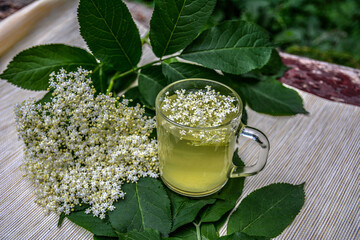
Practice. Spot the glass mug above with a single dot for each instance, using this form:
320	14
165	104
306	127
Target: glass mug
197	161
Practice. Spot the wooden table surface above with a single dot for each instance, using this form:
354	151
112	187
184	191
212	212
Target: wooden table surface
321	149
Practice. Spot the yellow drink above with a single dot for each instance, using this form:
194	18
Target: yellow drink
190	164
194	160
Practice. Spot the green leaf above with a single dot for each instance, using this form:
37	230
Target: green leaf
124	82
145	205
104	238
110	32
61	219
244	116
148	234
275	66
101	77
268	211
46	98
176	23
97	226
187	232
271	97
241	236
233	46
185	209
237	160
134	94
208	232
221	222
30	69
178	70
222	206
81	207
151	82
205	231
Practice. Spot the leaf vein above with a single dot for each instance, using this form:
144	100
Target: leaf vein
217	50
269	97
47	66
273	206
173	30
112	33
139	205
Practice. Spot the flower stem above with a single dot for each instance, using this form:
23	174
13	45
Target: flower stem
111	85
98	67
198	234
145	39
118	75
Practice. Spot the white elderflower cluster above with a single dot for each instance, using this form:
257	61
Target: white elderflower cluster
201	108
80	149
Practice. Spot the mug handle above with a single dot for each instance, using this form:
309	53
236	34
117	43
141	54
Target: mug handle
260	138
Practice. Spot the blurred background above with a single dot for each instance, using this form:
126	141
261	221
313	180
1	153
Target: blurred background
327	30
8	7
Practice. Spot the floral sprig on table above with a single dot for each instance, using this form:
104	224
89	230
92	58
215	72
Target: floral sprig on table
81	148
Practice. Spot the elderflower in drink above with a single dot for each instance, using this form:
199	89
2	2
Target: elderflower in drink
196	135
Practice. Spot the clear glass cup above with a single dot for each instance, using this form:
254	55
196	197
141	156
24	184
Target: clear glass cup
197	161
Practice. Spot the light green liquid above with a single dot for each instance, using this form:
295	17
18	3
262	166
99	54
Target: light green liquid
192	166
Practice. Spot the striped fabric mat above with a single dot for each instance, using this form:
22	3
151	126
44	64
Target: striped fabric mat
321	149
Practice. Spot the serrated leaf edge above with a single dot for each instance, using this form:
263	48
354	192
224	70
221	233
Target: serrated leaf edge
289	193
3	74
112	33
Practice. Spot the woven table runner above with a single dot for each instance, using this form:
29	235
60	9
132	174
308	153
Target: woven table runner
321	149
